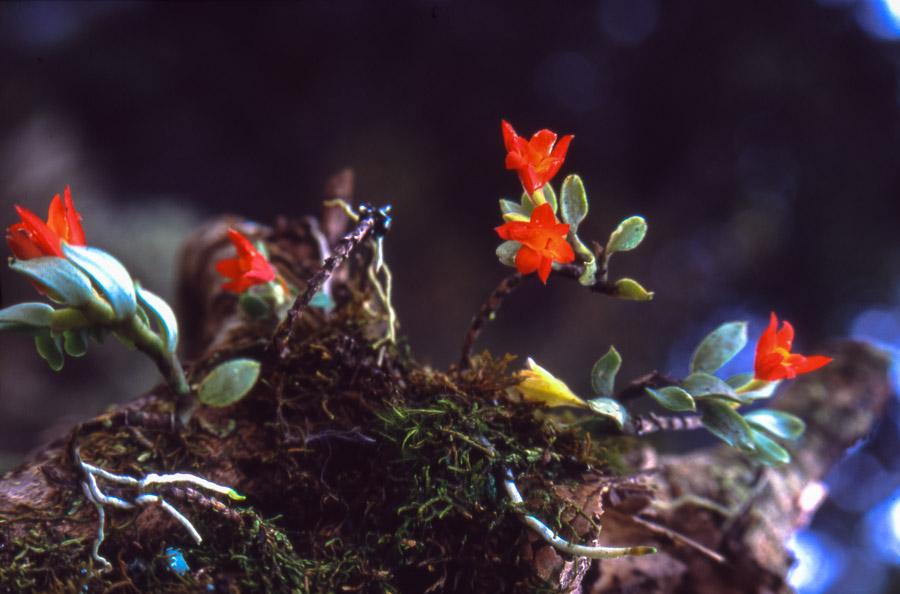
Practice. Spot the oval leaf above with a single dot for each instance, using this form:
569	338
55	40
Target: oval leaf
725	423
507	251
33	314
703	384
229	382
550	197
627	288
108	274
778	423
673	398
75	343
59	275
607	407
739	380
719	347
50	349
603	373
161	315
768	451
627	236
573	205
512	211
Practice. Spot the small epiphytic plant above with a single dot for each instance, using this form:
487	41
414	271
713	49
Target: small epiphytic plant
541	236
96	296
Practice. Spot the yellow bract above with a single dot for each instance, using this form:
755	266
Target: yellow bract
539	385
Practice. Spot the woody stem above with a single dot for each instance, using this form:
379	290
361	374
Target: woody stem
652	423
285	334
487	312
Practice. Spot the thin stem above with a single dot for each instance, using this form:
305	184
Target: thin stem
284	335
150	344
487	312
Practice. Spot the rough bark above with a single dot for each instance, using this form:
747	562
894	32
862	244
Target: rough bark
720	522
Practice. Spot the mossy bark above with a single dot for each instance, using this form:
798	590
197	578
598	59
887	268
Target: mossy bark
368	472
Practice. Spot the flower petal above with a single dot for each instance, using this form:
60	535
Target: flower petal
515	160
813	362
56	217
541	143
543	216
560	150
544	269
41	235
785	337
768	367
527	260
561	251
230	268
531	180
19	240
512	230
75	235
509	136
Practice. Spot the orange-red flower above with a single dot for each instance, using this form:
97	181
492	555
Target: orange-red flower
247	269
536	160
33	238
543	241
774	360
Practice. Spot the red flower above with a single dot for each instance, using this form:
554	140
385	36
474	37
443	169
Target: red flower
543	242
774	360
247	269
536	160
32	238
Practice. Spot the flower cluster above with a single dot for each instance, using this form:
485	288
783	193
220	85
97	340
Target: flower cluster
536	241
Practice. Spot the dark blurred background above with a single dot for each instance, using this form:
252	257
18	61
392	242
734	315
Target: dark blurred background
761	140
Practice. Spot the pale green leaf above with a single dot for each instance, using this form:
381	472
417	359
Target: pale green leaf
49	347
768	451
603	373
673	398
513	211
627	288
550	197
60	276
162	316
108	274
228	382
739	380
33	314
75	342
607	407
701	384
573	206
506	252
778	423
627	236
725	423
719	347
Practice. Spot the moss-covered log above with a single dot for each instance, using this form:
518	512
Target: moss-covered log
366	472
